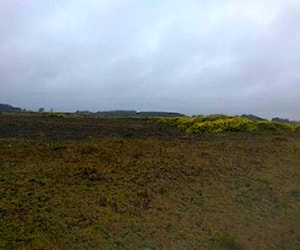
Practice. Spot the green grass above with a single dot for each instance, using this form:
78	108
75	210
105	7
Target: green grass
54	115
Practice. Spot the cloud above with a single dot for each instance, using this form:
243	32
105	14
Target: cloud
188	56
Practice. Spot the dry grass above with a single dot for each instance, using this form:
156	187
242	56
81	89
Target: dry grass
228	191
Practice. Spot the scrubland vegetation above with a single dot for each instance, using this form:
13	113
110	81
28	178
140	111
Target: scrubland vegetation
217	124
176	183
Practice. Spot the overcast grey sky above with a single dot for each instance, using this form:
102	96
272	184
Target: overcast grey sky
192	56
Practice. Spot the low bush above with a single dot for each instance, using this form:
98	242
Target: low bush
297	128
220	123
273	126
89	173
56	115
57	146
226	242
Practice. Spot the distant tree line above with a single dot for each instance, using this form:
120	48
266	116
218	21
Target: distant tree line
132	113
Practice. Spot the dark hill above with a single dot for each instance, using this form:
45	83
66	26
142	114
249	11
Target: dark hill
133	113
253	117
281	120
8	108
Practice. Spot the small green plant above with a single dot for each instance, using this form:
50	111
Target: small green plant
148	245
58	146
5	164
89	173
295	194
56	115
226	242
89	149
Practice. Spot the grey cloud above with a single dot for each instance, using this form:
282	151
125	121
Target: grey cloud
189	56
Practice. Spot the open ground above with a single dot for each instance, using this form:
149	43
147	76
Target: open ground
131	183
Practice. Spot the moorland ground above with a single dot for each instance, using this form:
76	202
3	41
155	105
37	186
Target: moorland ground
107	183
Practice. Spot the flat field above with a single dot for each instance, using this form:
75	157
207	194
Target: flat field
108	183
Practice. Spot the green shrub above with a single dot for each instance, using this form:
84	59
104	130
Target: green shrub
56	115
226	242
297	128
273	126
219	123
58	146
91	174
4	164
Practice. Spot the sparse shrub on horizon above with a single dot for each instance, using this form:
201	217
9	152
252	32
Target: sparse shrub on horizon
55	115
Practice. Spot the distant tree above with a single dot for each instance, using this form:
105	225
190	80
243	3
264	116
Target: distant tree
41	110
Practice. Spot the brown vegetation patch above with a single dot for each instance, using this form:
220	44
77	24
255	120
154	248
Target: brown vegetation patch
160	191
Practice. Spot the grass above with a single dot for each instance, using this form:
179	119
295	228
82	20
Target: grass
156	189
54	115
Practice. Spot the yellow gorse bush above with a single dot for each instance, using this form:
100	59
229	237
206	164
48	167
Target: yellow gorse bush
219	123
